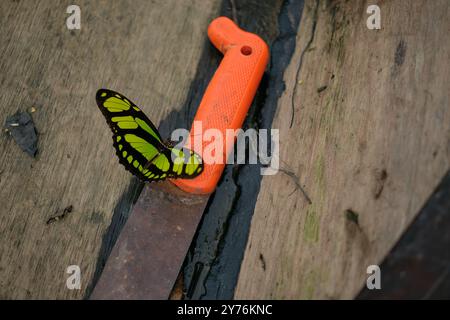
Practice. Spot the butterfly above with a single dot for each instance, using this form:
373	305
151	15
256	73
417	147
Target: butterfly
139	145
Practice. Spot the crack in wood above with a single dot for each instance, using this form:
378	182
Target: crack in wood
300	63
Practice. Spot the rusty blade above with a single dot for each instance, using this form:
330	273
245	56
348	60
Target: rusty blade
150	250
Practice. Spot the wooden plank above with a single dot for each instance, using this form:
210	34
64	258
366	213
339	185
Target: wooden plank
212	265
369	143
149	51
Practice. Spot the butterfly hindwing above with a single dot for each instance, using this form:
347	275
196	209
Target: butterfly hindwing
139	145
133	153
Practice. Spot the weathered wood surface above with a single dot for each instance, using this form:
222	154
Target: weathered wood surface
149	51
369	148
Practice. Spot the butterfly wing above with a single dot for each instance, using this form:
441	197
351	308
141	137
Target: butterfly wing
185	163
113	104
139	145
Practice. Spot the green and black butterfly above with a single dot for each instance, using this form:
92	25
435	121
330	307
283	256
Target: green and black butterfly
139	145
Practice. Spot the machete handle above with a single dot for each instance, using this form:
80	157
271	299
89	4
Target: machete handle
227	98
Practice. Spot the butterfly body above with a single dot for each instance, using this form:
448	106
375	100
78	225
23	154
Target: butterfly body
139	145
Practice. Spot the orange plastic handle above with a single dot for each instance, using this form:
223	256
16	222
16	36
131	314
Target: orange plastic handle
228	96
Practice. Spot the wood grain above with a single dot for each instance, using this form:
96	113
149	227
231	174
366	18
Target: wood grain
369	142
147	50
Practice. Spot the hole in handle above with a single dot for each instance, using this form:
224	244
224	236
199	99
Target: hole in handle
246	50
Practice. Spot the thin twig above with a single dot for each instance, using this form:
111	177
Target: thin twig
296	180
